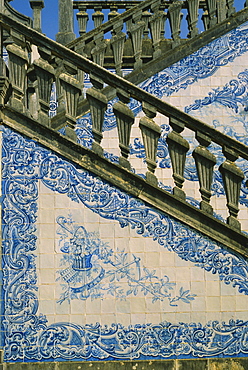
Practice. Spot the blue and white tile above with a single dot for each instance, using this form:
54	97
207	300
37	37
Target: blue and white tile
133	290
173	285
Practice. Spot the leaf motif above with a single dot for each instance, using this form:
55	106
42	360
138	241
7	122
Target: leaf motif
190	298
135	291
112	278
184	300
185	292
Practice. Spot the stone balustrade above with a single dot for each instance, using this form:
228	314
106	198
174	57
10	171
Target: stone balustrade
7	9
214	11
145	28
57	63
134	33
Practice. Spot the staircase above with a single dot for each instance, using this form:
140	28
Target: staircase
27	82
152	28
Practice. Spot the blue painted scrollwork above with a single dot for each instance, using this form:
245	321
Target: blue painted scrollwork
20	194
163	340
27	334
233	95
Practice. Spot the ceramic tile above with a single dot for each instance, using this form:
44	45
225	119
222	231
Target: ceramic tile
109	270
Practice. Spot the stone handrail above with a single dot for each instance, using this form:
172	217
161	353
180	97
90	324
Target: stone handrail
7	9
26	89
139	34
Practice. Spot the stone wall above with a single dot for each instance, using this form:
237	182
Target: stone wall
196	364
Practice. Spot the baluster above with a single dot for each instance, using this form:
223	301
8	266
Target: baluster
156	25
69	90
232	178
205	18
65	34
125	120
211	6
98	105
145	18
175	17
136	32
113	12
32	94
150	134
45	76
81	74
82	18
37	6
117	43
162	9
4	84
17	63
129	22
221	10
98	16
178	148
205	162
55	122
192	17
230	8
98	51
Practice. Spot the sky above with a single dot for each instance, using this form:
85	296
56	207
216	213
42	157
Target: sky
50	14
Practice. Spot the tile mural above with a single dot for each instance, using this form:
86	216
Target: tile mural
70	240
90	272
88	261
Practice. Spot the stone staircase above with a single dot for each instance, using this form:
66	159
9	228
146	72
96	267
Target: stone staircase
144	32
35	62
161	33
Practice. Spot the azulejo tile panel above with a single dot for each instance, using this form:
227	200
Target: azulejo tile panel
91	273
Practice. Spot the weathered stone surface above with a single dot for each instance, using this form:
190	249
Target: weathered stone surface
178	148
103	365
150	134
232	177
30	366
18	59
37	6
7	9
192	364
82	18
88	365
205	161
125	119
228	364
65	34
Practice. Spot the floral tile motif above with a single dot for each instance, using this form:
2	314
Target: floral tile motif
27	333
92	269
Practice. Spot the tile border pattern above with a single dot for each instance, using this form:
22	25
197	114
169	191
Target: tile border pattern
29	337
